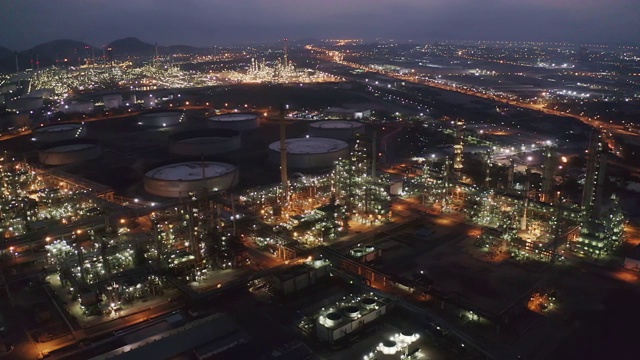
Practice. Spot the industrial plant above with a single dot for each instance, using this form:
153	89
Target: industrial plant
200	202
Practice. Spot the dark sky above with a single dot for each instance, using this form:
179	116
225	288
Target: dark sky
24	23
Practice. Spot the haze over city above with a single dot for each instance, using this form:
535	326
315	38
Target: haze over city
204	23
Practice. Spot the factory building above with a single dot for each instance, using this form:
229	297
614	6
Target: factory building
602	227
348	316
301	276
342	113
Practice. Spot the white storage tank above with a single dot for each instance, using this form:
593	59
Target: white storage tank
83	107
235	121
69	152
161	119
40	93
179	179
59	132
25	104
310	153
336	129
112	101
204	142
150	101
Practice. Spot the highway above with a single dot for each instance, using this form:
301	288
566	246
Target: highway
337	57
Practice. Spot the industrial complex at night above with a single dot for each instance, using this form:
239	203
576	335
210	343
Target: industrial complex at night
332	199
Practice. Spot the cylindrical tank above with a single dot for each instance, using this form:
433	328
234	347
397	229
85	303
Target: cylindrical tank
204	142
59	132
179	179
368	303
310	153
83	107
336	129
112	101
235	121
161	119
149	101
69	152
351	311
333	319
25	104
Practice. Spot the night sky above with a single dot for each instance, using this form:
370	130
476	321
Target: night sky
25	23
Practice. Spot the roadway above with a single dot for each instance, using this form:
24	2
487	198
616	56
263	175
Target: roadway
337	57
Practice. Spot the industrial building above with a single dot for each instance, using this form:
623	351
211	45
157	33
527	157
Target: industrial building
342	113
300	276
349	315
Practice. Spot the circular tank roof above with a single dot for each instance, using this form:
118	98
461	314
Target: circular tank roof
190	171
337	124
233	117
389	343
202	140
162	114
56	128
334	316
70	147
311	145
198	135
369	301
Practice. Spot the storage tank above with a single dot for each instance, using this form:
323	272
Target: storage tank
112	101
83	107
149	101
333	319
69	152
25	104
40	93
235	121
368	303
179	179
336	129
310	153
204	142
161	119
59	132
351	311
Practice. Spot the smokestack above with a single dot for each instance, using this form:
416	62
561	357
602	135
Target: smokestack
17	67
156	58
523	220
374	155
286	58
527	186
487	165
594	180
283	156
38	62
458	148
548	173
510	173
